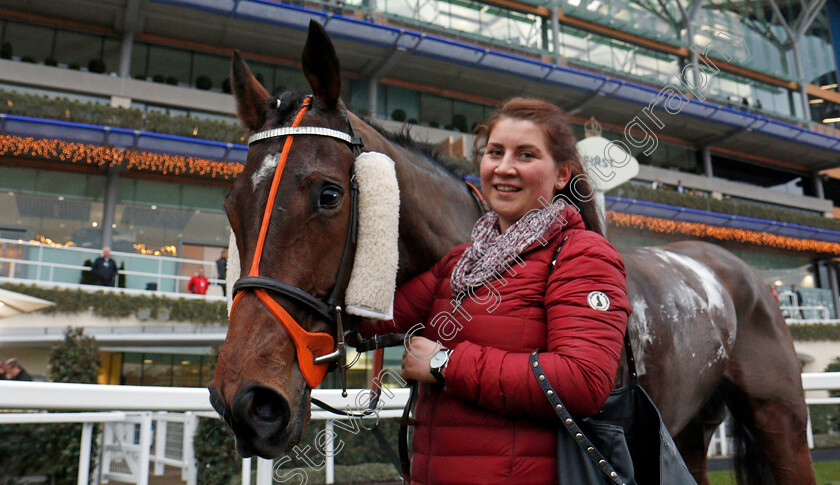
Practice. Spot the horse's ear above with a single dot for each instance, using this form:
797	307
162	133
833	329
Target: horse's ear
320	65
251	97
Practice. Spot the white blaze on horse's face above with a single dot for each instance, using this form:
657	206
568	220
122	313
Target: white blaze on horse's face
265	171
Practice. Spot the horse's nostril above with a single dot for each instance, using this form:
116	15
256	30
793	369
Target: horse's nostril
261	409
266	405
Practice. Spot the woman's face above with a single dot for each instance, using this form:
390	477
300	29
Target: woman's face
517	170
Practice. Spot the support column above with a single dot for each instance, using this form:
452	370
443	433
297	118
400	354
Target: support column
707	161
803	93
835	288
372	7
110	207
555	31
373	97
819	192
129	26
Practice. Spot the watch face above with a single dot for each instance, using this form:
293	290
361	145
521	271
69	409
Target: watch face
439	359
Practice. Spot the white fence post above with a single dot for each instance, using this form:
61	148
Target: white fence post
246	471
160	442
330	452
265	471
84	454
145	446
189	473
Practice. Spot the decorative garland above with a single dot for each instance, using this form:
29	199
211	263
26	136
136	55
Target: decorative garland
654	224
79	153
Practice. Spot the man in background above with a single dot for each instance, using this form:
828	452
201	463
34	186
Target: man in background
198	283
104	268
15	372
221	270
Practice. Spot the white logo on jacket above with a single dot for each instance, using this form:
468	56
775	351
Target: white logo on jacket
598	300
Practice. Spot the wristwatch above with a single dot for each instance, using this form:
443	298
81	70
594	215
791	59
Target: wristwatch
438	363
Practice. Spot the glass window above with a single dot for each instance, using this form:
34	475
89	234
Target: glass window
286	78
435	110
111	53
30	40
216	68
403	99
74	48
59	206
157	370
186	371
132	370
140	60
170	64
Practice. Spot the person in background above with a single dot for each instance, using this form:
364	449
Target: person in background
797	301
198	283
657	184
680	187
221	270
104	268
16	372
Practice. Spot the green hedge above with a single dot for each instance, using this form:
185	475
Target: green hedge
733	207
116	305
810	332
65	109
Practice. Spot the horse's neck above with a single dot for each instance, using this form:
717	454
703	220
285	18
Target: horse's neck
436	210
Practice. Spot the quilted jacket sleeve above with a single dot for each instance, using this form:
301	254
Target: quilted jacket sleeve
584	342
412	303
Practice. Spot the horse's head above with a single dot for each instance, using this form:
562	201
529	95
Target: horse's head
290	211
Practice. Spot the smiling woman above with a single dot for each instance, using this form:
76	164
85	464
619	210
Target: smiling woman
473	369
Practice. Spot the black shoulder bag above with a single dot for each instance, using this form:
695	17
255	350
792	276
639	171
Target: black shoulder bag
625	443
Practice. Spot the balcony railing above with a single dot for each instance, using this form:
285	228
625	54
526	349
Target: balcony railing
63	266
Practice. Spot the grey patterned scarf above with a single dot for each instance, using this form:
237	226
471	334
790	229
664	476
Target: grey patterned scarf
491	253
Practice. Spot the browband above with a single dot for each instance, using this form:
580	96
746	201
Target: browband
305	130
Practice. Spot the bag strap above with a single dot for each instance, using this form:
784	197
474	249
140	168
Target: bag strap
569	423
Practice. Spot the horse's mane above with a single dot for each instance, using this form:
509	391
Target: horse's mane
428	151
291	101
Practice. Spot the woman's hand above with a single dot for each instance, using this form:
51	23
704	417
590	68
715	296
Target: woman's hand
415	361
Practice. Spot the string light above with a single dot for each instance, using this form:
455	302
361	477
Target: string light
666	226
40	239
165	250
79	153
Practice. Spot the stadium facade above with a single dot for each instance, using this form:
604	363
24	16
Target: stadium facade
117	130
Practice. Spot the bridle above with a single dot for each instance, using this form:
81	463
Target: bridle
316	352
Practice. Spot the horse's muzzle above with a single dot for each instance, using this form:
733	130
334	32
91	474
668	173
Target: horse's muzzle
258	417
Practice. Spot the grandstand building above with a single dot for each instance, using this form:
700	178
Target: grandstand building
117	129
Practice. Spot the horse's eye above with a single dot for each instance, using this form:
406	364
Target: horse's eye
329	199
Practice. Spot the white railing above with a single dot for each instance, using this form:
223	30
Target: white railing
129	414
794	313
63	266
721	443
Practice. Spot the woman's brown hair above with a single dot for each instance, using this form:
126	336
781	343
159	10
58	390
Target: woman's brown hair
561	141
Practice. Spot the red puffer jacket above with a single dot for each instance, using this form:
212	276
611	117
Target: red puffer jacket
491	423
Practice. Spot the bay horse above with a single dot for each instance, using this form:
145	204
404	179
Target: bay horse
707	333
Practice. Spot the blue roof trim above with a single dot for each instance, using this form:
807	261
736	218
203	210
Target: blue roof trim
434	46
122	138
685	214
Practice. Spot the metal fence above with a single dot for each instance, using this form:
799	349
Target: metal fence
153	427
